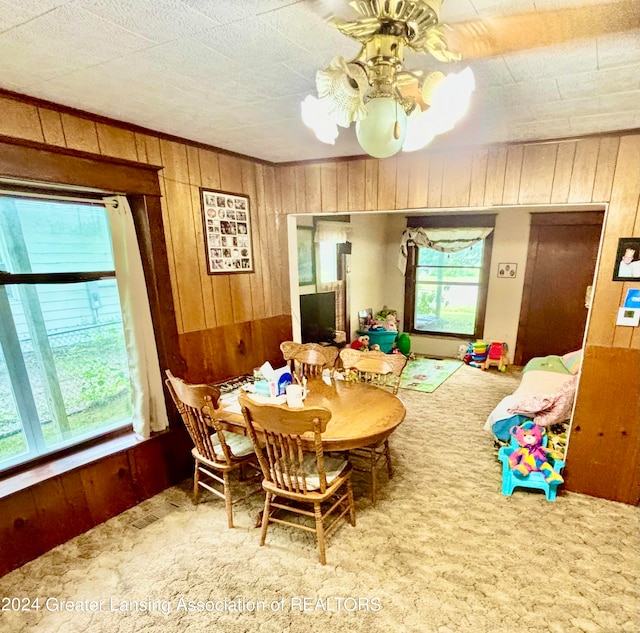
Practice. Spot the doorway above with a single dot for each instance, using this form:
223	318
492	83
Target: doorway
320	301
561	262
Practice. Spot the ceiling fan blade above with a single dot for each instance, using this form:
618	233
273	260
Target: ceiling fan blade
330	9
488	37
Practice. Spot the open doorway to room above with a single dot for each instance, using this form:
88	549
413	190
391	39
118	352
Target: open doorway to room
372	278
319	290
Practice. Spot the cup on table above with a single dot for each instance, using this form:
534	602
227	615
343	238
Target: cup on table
295	395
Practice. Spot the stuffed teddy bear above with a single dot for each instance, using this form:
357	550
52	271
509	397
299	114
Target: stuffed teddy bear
390	323
361	343
532	456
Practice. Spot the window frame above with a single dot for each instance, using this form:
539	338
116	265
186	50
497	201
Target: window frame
476	220
9	280
61	169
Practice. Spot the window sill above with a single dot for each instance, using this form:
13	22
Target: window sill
60	465
462	337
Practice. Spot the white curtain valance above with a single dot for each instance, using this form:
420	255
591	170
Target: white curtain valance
149	410
334	232
446	240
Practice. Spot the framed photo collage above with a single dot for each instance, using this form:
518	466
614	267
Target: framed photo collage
227	232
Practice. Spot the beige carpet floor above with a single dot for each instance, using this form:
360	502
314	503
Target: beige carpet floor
442	552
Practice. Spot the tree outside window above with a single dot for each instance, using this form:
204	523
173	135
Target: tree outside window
446	291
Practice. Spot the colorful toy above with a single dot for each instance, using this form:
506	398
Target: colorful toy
361	343
390	323
532	456
479	351
547	478
403	343
497	356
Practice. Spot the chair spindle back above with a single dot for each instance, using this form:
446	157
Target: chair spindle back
377	368
196	405
279	429
308	359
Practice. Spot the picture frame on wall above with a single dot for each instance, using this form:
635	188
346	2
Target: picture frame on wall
228	241
627	266
306	257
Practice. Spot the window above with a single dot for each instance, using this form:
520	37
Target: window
329	235
446	291
328	262
64	372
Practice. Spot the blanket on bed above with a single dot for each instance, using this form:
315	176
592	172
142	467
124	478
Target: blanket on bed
545	394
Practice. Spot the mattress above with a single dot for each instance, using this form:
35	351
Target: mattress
535	382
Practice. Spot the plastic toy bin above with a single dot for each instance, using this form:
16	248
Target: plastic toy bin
384	338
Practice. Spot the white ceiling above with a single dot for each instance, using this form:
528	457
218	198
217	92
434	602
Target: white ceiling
232	73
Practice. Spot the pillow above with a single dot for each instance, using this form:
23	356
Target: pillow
572	361
548	409
532	405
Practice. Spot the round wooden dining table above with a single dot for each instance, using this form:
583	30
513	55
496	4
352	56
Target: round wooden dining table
361	414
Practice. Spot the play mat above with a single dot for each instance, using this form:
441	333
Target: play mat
427	374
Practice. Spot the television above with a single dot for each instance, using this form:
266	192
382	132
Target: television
318	317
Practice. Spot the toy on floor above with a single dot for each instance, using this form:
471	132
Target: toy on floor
528	463
476	354
361	343
497	356
403	344
532	456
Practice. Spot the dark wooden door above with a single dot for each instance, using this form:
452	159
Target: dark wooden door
561	261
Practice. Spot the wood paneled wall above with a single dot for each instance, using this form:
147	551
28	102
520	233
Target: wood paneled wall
229	321
226	324
248	313
596	169
51	510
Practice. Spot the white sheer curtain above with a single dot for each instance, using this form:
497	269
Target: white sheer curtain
447	240
149	412
334	232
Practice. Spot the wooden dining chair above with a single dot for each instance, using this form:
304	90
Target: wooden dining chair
214	449
385	371
296	472
309	359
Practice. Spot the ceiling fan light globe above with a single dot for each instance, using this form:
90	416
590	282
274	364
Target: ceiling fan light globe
450	100
429	84
454	92
420	131
383	131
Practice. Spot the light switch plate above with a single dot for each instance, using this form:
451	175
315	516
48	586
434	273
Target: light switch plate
628	316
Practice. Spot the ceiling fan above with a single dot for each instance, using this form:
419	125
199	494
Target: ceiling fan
396	108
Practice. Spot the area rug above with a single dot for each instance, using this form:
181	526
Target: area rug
427	374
